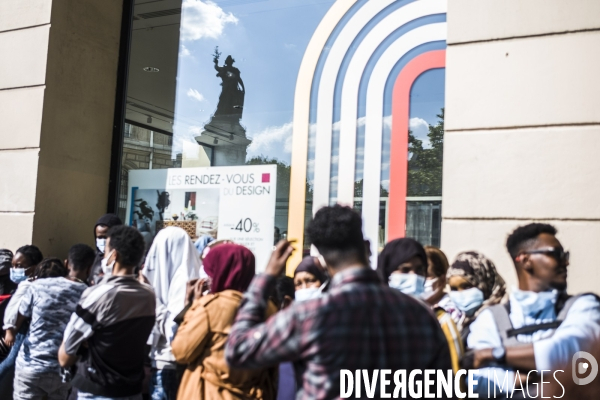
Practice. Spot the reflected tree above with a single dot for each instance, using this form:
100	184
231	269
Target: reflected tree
425	165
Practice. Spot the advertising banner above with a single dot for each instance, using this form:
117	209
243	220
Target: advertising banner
236	203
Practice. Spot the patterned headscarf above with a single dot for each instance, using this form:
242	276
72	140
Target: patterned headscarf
480	272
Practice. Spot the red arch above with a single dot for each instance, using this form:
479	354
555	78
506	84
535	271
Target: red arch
399	146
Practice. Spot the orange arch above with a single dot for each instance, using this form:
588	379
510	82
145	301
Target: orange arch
399	146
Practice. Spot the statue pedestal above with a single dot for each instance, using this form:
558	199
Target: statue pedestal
231	147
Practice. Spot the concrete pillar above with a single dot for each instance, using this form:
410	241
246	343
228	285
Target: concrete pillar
523	128
58	73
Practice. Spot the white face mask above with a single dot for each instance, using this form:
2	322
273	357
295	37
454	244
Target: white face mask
101	244
467	301
107	268
411	284
307	294
429	283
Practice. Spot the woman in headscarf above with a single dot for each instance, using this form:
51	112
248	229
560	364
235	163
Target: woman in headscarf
171	262
201	338
475	285
308	278
436	293
403	265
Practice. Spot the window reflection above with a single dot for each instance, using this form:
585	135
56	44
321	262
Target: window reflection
211	83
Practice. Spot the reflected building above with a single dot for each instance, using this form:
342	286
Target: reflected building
143	149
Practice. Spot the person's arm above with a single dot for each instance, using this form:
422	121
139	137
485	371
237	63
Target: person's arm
23	312
65	360
77	332
12	309
254	343
192	335
580	331
519	357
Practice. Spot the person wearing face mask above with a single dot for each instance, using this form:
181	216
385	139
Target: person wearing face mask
403	264
541	327
171	262
435	283
475	284
105	338
101	228
308	279
23	266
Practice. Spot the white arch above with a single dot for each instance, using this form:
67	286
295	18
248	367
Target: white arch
301	121
326	95
351	86
374	123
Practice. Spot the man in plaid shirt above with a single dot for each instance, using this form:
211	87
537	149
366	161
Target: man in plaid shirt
359	323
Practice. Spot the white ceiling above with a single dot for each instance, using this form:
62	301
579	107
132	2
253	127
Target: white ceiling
154	43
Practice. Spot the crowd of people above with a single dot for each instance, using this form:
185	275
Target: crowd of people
171	319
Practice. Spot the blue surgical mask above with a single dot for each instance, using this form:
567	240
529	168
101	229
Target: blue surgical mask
411	284
532	303
306	294
101	244
467	301
17	275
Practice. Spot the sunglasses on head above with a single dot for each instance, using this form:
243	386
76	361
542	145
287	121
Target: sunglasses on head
555	252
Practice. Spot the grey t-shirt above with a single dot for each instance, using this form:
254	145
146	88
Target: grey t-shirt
49	303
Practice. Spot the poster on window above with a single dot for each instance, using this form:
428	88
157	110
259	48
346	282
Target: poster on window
235	203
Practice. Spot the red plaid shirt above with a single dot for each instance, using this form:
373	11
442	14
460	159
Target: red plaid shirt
358	324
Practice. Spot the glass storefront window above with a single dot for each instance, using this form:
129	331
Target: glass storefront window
210	86
220	94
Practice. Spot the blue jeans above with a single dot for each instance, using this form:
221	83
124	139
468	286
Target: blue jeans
7	367
164	384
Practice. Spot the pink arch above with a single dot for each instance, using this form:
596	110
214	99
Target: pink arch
399	147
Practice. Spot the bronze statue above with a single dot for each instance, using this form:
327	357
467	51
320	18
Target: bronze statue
231	101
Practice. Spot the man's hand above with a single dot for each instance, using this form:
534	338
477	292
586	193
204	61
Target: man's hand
200	287
282	252
482	357
189	291
9	337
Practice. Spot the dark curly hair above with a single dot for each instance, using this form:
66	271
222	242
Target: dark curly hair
50	268
284	286
525	236
81	257
128	243
337	229
32	253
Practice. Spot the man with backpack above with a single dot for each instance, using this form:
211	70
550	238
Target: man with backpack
541	327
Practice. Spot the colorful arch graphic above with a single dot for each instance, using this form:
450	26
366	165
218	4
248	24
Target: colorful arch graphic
363	55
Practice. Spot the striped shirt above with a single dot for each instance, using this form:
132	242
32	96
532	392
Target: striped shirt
358	324
115	318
